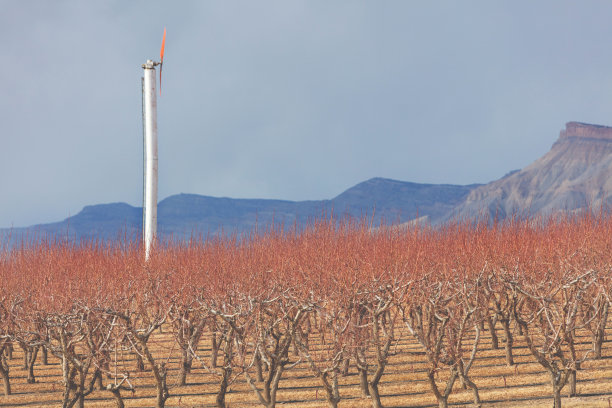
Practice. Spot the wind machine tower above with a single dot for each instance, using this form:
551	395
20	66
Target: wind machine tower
149	125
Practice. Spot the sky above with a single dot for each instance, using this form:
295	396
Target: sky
287	99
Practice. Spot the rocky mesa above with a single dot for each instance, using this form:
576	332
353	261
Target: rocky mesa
576	173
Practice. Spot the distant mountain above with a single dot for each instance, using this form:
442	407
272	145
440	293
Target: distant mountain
382	200
575	173
184	215
400	201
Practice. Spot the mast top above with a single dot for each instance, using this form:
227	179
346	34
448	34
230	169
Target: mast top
150	64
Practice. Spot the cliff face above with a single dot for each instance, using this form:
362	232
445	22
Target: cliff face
574	174
585	131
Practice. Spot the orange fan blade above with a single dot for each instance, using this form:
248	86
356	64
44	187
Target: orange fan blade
161	56
161	52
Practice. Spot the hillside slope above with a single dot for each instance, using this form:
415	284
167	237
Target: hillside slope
575	173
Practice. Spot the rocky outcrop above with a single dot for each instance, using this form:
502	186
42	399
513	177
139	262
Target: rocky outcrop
575	174
585	131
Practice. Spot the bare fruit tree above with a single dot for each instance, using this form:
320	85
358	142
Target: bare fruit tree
547	312
141	311
333	317
277	319
440	315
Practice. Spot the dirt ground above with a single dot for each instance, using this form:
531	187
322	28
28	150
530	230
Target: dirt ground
404	383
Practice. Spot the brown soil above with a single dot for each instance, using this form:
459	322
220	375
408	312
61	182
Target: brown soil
403	385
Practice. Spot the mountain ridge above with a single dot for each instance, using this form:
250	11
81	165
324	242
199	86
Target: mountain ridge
184	215
576	173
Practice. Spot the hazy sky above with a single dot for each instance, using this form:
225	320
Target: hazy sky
287	99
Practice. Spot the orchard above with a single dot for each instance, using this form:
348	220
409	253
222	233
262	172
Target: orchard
341	302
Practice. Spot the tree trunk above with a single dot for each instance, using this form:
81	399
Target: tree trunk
597	344
98	375
442	398
68	374
296	351
215	350
494	338
332	403
162	391
31	359
81	392
44	356
228	356
331	388
469	383
600	334
333	399
345	366
572	384
25	356
160	371
4	373
186	363
558	381
220	399
258	368
556	397
139	362
363	382
375	395
118	399
509	341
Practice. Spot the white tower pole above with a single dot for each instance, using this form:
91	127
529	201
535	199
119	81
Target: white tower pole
149	229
